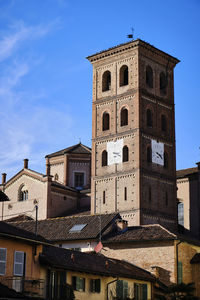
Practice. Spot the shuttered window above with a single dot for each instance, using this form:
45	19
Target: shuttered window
140	291
3	254
122	289
95	285
78	283
19	263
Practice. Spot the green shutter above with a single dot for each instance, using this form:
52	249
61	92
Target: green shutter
144	291
125	289
98	285
136	291
74	282
119	289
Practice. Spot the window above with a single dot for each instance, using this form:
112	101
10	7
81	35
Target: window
163	123
79	179
95	285
125	193
23	193
149	77
140	291
122	289
163	83
104	158
166	198
77	228
106	121
19	263
149	154
180	272
124	116
181	213
106	81
78	283
123	75
3	254
104	197
165	160
149	194
149	118
125	154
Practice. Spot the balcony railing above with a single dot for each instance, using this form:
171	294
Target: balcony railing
27	286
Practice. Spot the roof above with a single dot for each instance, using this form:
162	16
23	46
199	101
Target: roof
129	44
9	230
76	149
186	172
139	233
91	263
57	229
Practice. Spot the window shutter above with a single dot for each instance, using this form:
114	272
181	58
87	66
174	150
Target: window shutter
91	285
74	282
144	291
19	263
98	285
125	289
136	291
3	252
119	289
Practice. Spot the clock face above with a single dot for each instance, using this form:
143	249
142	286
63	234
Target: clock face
157	152
114	150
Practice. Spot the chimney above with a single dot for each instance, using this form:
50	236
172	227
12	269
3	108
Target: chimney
4	178
198	165
26	163
121	224
47	167
72	257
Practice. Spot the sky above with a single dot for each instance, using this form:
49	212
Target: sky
46	80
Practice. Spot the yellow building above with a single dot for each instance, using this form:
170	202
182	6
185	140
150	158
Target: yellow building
30	265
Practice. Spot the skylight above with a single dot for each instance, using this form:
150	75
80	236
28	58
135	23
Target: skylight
77	228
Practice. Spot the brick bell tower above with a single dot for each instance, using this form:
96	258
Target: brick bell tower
133	134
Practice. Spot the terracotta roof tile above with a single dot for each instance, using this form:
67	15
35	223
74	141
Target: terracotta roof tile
76	149
92	263
57	229
186	172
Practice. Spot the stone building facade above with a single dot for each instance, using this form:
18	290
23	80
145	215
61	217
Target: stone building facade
63	189
133	134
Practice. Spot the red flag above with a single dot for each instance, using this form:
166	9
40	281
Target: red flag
98	247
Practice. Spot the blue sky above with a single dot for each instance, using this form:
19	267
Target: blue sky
46	82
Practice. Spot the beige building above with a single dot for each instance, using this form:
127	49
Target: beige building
188	194
63	189
133	134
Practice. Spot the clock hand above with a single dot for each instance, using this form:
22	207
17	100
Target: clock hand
159	155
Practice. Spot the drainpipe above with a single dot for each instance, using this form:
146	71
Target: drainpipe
177	260
109	284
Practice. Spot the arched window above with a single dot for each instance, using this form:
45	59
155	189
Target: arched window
125	154
165	160
106	81
149	155
149	76
56	176
123	75
149	118
104	158
23	193
163	123
163	82
124	116
106	121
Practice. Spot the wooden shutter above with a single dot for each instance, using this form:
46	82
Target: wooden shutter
3	254
144	291
19	265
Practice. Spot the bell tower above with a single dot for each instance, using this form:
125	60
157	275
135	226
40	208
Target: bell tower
133	134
